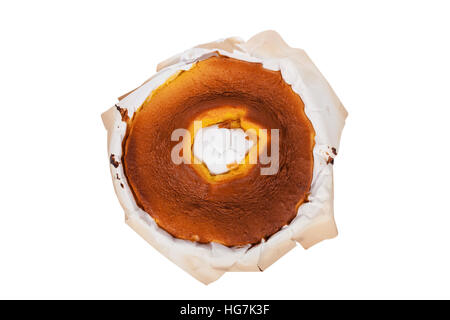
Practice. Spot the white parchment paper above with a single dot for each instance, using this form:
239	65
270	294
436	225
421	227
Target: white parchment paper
315	219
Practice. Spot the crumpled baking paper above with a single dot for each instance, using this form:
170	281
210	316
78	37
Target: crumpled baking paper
315	219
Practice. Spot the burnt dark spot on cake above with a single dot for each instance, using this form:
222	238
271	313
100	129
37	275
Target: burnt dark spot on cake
113	161
334	151
121	185
123	113
117	176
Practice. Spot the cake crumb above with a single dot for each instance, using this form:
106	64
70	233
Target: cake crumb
330	160
123	113
113	161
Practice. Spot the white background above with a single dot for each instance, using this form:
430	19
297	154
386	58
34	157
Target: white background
62	230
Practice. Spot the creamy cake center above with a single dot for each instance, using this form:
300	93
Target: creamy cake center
221	149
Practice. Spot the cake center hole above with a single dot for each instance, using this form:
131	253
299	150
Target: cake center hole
221	147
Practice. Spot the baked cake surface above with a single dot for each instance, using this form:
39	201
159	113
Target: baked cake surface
239	207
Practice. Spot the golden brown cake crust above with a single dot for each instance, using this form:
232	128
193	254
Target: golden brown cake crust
239	211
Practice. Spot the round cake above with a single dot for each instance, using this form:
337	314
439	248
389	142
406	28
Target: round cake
235	204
